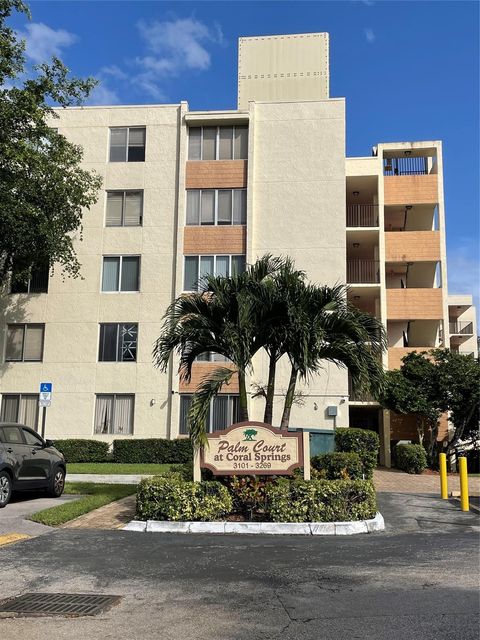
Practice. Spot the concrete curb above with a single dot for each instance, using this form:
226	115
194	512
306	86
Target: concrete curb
271	528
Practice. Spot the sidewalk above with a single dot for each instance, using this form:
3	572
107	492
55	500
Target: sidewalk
111	516
394	481
116	478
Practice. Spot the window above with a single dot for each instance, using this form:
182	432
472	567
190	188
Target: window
223	412
211	356
216	206
127	144
218	143
24	343
198	266
37	283
114	414
32	439
118	342
21	408
121	273
124	209
12	435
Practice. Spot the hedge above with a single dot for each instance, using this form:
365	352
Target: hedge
411	458
77	450
321	500
152	451
363	442
338	466
169	498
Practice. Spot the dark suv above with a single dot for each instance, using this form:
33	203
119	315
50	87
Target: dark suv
28	462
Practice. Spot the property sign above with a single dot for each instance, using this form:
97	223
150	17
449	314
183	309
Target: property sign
45	396
252	448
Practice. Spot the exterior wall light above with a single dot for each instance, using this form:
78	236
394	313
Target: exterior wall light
356	245
356	193
408	152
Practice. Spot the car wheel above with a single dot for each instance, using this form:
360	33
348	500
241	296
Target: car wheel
5	488
57	483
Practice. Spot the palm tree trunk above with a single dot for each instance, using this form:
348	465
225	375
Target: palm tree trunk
289	399
242	392
272	367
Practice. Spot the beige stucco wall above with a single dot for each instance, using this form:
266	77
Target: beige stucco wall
73	309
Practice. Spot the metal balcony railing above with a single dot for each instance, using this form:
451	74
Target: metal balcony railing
362	215
357	396
363	271
463	328
407	166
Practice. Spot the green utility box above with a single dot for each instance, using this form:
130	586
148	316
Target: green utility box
321	440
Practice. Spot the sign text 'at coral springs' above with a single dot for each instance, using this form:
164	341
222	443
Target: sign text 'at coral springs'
252	448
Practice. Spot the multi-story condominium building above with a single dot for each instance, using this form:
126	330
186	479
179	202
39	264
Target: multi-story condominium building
190	192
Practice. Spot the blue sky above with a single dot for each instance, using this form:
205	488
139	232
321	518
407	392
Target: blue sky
409	71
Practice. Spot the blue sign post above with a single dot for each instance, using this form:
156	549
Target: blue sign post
45	400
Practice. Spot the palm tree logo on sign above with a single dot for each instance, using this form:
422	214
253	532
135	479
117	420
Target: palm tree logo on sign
249	435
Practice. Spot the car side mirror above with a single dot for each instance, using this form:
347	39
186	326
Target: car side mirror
49	443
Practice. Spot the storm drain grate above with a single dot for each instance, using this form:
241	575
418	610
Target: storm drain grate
58	604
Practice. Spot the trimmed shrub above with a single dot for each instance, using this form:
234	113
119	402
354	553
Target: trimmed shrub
321	500
363	442
170	498
152	451
338	466
411	458
83	450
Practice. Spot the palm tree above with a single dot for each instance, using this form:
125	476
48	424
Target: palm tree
223	317
324	327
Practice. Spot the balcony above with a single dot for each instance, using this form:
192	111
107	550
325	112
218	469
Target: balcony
412	246
363	271
415	304
362	215
461	328
405	166
395	355
411	189
356	396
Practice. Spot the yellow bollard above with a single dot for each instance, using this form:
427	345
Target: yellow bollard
443	476
464	484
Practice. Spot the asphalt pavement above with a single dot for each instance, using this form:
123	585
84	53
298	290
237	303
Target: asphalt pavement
415	581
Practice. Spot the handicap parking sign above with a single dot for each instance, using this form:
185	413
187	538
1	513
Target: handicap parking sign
45	387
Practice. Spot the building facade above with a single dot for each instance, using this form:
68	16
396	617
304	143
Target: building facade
187	193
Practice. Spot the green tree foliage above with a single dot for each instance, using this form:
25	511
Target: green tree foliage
270	307
43	190
431	383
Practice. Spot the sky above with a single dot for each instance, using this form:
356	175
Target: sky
409	70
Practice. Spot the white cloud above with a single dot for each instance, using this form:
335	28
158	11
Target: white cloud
464	269
369	35
172	47
103	95
43	42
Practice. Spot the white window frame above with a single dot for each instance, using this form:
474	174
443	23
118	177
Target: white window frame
217	140
119	290
114	396
138	126
230	396
215	209
124	195
214	256
25	325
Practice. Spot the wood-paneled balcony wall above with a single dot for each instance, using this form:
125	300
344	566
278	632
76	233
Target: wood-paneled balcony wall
414	304
216	174
411	189
395	355
202	369
206	240
412	246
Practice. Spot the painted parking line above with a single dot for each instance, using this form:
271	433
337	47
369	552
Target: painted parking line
10	538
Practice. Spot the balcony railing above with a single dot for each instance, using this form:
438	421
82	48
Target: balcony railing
408	166
362	215
462	328
363	271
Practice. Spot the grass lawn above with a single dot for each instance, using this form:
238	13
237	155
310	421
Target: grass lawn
93	495
116	467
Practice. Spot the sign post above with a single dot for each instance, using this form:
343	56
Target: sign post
44	401
254	448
